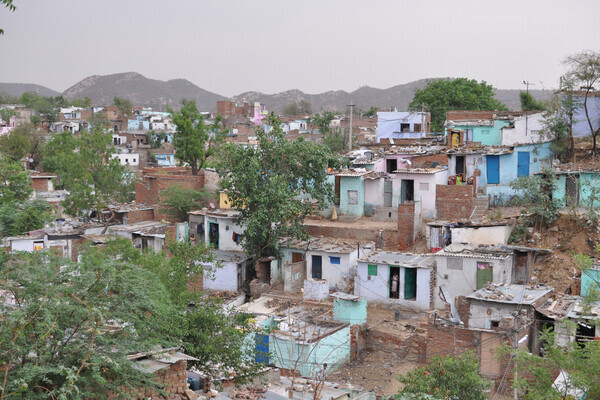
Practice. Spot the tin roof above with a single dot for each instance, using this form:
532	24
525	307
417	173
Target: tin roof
397	258
511	293
475	251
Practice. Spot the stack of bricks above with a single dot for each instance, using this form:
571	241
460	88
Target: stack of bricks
406	225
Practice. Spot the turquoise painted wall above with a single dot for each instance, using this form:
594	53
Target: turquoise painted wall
508	167
590	281
487	135
352	183
309	358
350	311
587	182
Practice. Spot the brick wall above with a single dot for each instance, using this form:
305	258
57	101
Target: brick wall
386	240
406	225
40	184
454	201
155	180
140	215
450	341
172	380
441	158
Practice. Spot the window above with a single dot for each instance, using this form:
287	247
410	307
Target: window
134	160
455	263
372	270
404	127
424	186
417	128
352	197
392	165
127	160
485	131
334	260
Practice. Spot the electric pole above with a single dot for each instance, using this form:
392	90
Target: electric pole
527	83
350	135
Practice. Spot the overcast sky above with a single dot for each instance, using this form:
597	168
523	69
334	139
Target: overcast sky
232	46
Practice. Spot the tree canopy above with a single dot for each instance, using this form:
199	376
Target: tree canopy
302	107
528	103
453	377
195	141
443	95
271	185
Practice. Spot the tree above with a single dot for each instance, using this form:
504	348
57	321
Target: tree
15	183
24	141
443	95
584	67
11	7
20	218
535	192
67	328
195	141
528	103
269	185
453	377
303	107
124	105
6	114
86	167
86	102
323	122
372	112
179	201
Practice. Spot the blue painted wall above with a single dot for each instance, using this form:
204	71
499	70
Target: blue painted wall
590	281
508	167
588	182
350	311
487	135
348	183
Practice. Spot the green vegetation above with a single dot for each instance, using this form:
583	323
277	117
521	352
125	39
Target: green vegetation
20	218
445	378
194	141
179	201
528	103
535	192
442	95
303	107
269	185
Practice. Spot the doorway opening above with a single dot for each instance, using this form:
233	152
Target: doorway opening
407	191
317	267
410	283
391	165
394	282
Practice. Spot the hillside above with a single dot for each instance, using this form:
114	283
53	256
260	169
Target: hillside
142	91
17	89
158	94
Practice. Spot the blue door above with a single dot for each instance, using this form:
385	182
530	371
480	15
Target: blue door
262	348
493	169
523	163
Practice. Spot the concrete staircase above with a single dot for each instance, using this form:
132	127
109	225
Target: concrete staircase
480	204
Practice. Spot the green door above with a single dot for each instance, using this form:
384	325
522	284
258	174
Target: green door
410	283
485	274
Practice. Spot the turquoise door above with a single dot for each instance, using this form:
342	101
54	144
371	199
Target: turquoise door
523	163
493	169
410	283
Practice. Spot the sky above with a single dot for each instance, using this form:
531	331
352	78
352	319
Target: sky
234	46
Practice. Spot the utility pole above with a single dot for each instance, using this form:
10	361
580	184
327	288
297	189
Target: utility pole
527	83
350	135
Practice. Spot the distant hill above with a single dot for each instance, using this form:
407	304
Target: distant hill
158	94
17	89
142	91
397	96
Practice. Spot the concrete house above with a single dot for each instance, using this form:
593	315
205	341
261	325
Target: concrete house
402	125
463	269
410	184
219	229
440	234
396	278
333	260
577	188
357	189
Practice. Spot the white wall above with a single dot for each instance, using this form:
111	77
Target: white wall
226	228
427	197
480	318
482	235
225	278
520	135
128	158
464	282
376	288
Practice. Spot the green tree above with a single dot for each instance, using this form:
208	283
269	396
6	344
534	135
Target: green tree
6	114
179	201
124	105
535	192
336	140
528	103
372	112
86	102
194	140
71	326
302	107
453	377
323	122
20	218
584	67
15	183
443	95
17	144
269	185
155	139
11	7
86	167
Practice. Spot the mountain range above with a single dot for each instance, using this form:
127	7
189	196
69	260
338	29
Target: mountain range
142	91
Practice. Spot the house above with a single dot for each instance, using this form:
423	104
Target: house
440	234
156	180
410	184
510	308
465	268
396	278
333	260
357	189
577	187
128	159
232	269
590	280
400	125
463	128
144	234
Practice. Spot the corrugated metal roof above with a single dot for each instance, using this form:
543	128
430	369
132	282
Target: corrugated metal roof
397	258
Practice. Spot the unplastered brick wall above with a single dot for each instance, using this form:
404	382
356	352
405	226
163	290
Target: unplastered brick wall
442	159
136	216
172	380
409	223
388	240
454	201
